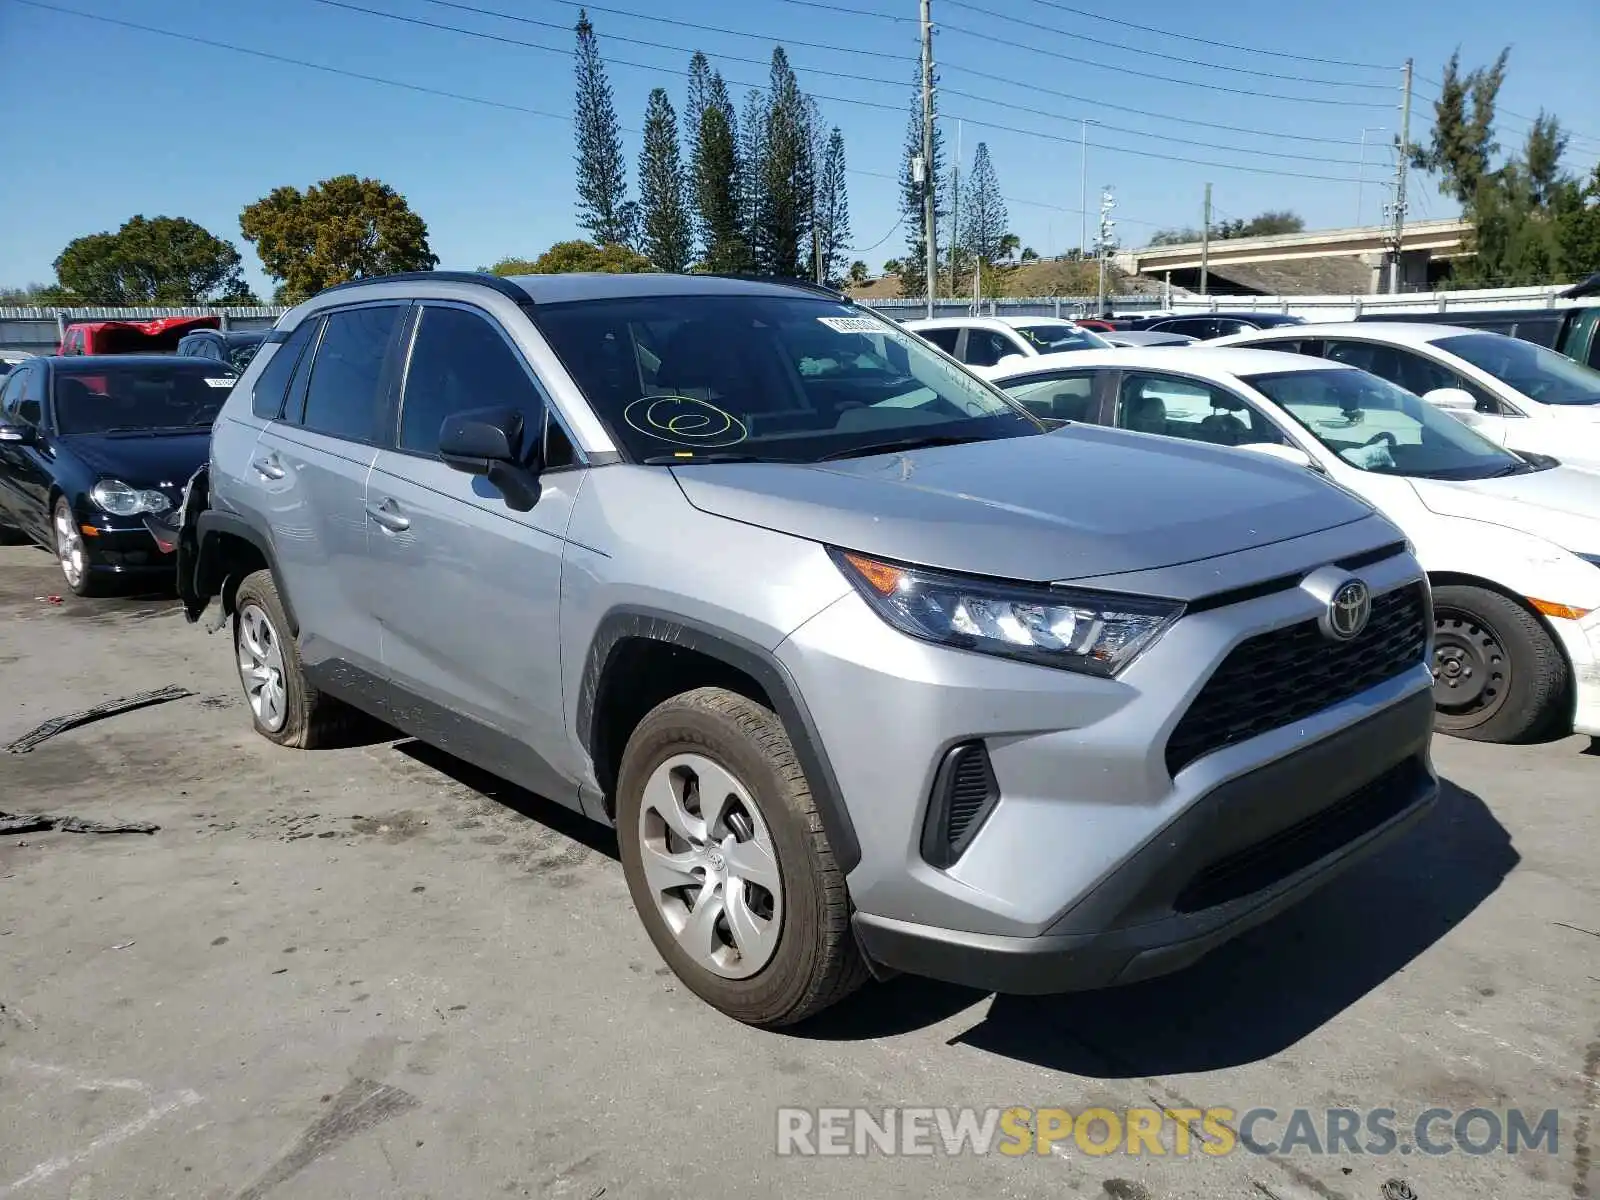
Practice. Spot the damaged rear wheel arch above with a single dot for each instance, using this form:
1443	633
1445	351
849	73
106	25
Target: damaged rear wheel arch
229	551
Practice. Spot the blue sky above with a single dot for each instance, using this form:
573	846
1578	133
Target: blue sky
104	121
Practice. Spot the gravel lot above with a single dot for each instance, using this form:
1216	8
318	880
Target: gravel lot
375	972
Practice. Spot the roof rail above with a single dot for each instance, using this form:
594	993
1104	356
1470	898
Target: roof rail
804	285
482	278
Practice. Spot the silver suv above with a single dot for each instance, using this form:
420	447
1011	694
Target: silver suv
869	673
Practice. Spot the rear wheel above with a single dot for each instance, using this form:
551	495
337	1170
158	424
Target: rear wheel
728	863
284	707
1498	674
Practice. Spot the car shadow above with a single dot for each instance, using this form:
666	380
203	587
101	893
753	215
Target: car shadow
549	813
1249	999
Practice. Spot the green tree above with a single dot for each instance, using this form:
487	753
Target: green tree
987	222
602	183
665	235
858	272
831	235
159	260
1541	156
565	258
752	154
1462	146
893	266
1577	227
33	295
718	181
788	176
1175	237
913	273
340	229
1273	221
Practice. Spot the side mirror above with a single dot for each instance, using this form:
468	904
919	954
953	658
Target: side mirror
491	442
1452	400
1288	454
16	434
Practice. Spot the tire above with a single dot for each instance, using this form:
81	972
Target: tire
1499	676
72	556
302	717
806	957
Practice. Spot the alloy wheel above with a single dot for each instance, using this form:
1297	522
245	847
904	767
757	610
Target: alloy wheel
710	865
261	667
70	551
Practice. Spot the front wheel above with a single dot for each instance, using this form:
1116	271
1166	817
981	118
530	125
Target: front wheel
72	555
1498	674
728	864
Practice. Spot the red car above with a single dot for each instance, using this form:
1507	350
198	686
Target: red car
157	336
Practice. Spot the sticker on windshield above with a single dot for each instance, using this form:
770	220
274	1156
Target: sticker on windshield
213	381
850	324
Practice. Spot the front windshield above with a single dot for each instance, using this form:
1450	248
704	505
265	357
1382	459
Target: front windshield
1375	426
1058	337
154	398
239	356
1536	372
678	378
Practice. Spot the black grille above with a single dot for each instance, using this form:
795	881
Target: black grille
964	793
1293	849
1278	678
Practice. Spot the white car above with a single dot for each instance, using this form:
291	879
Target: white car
1147	337
12	358
1512	546
1522	396
985	341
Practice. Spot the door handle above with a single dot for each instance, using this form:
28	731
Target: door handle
269	467
388	515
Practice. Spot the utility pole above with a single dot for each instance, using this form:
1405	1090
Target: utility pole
1205	242
1361	178
929	233
1401	164
1083	190
955	210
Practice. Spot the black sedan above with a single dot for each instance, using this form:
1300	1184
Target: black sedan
93	445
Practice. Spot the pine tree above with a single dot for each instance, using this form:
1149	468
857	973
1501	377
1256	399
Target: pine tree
602	183
985	228
699	91
832	232
752	153
718	183
787	175
1542	154
913	271
664	216
1462	143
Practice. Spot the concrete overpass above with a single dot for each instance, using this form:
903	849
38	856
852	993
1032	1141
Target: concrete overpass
1425	242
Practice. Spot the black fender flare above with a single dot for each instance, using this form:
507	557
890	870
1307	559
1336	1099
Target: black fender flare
758	663
209	576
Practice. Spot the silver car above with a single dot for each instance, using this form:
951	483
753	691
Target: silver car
869	673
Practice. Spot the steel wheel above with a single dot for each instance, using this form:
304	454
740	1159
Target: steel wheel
710	865
70	552
1471	669
261	667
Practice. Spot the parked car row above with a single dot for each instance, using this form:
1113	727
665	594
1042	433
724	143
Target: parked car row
1047	673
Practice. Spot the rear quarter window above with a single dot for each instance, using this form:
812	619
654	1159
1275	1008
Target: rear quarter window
272	385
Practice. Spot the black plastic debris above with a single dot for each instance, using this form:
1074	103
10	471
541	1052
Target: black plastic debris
99	712
40	822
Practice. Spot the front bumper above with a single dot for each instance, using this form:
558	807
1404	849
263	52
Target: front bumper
1096	853
1581	641
1239	855
124	546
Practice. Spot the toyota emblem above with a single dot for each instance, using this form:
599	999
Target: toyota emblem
1348	611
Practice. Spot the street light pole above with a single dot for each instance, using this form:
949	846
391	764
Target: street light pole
1083	188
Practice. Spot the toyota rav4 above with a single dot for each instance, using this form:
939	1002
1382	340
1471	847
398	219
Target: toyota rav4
869	672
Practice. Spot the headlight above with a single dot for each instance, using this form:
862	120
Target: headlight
120	500
1097	633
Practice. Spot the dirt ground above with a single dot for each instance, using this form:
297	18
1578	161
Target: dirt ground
374	972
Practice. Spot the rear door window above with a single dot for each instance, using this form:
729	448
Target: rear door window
1061	396
986	347
342	397
1192	410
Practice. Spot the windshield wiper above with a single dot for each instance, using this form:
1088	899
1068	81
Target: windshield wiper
907	443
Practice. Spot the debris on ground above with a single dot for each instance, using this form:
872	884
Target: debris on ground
40	822
99	712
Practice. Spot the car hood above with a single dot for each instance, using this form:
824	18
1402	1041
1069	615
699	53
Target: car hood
1561	505
1080	502
158	460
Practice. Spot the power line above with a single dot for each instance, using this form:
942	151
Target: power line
1193	62
1574	134
494	37
517	17
1011	43
1186	37
639	16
